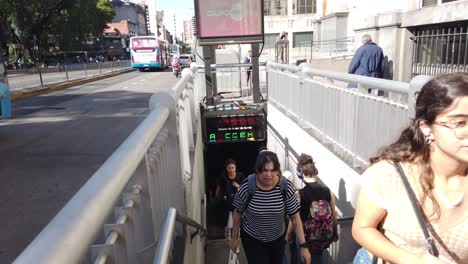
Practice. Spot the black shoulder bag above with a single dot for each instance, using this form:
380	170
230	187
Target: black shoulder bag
431	247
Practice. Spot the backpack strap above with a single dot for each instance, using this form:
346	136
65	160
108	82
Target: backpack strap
284	189
251	188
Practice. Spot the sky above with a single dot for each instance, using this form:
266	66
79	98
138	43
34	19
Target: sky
183	8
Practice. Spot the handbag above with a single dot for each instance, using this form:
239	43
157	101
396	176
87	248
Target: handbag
430	244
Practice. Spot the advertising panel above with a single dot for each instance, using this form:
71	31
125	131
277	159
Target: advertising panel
229	22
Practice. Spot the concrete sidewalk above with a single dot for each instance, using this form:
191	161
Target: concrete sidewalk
18	94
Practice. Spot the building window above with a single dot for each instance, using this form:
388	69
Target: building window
440	49
276	7
270	40
304	7
425	3
302	39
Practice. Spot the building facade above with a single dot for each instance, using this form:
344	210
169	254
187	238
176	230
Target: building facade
188	33
417	36
151	17
134	14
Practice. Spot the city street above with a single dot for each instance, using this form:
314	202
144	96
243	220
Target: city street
54	142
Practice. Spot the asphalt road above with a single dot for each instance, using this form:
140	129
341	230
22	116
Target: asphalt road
55	142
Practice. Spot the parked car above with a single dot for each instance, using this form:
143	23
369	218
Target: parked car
185	60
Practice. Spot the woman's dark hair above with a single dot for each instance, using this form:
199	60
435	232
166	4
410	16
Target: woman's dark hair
307	165
264	157
435	96
229	161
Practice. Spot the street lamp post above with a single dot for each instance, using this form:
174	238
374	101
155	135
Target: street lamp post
35	55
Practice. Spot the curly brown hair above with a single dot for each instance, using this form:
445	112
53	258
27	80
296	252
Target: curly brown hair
307	165
435	96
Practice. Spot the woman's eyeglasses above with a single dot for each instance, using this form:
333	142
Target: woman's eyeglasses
458	126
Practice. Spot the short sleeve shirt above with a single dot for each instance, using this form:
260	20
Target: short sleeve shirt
264	216
382	184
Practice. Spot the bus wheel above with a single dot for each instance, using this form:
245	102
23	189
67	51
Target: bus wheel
140	69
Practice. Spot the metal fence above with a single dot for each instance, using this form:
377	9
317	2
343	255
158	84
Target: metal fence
39	77
440	49
351	122
149	173
232	81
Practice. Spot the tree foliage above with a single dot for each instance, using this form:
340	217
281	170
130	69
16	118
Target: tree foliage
53	24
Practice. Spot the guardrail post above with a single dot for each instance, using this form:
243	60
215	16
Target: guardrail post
86	69
129	230
173	171
415	86
144	221
66	72
100	68
40	76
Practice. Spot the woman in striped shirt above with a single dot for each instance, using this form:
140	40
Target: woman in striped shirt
261	214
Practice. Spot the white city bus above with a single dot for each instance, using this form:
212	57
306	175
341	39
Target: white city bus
149	52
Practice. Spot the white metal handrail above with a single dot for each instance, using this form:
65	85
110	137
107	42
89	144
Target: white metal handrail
163	251
353	122
68	236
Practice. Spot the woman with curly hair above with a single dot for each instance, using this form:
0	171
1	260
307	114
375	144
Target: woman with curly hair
432	154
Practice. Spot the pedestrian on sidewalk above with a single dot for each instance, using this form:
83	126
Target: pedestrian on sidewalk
413	203
368	59
247	60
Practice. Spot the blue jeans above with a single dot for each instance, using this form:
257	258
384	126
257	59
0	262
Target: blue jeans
362	257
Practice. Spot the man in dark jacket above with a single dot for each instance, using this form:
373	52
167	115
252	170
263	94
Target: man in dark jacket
368	59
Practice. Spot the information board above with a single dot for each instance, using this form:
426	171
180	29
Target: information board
225	129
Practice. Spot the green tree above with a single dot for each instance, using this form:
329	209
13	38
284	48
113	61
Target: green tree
28	20
83	24
68	24
184	46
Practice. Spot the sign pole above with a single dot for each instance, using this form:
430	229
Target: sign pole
209	56
255	73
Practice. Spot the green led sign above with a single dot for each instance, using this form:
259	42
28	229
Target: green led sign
235	129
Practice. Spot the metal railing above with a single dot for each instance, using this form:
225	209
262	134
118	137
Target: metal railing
351	122
440	49
231	80
150	172
341	250
39	77
167	236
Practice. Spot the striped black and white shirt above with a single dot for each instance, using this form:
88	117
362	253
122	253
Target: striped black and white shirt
264	216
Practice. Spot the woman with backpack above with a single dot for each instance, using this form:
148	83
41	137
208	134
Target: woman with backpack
413	204
261	204
317	211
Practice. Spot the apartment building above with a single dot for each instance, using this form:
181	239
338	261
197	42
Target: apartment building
417	36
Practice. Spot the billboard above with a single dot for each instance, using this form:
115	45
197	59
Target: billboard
229	22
